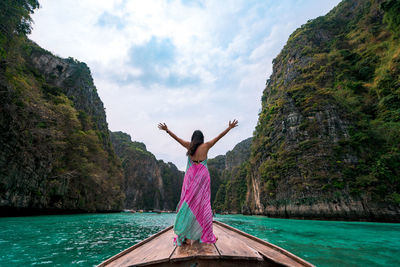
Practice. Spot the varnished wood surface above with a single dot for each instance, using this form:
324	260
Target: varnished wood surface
268	250
232	246
132	252
159	250
196	250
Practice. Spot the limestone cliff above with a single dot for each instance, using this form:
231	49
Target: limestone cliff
148	184
55	150
238	155
327	142
56	154
228	178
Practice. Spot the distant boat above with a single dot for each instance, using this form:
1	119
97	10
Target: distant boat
129	211
233	248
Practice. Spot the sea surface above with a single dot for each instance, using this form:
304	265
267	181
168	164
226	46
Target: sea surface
88	239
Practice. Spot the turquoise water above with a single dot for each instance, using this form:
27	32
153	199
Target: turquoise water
88	239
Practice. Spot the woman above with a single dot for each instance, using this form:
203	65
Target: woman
194	218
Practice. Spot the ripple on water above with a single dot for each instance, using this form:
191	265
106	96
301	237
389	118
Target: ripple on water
42	263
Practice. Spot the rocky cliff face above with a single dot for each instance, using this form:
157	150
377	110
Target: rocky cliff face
172	180
238	155
55	150
327	141
228	178
72	78
148	184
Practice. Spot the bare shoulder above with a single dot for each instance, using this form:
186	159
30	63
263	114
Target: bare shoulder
208	144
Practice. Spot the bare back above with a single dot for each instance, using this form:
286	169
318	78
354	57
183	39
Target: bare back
201	152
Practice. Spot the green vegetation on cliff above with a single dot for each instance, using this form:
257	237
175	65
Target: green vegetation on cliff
148	183
55	151
329	130
229	178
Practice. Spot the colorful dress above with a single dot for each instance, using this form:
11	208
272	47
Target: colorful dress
194	215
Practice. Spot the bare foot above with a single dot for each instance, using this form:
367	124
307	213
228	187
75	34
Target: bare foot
216	238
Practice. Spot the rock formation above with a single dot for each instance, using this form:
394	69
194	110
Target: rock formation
55	150
148	184
228	178
327	140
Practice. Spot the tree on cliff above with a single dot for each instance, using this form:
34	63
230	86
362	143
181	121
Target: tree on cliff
15	16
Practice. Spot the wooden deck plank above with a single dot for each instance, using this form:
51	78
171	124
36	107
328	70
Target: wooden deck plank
232	247
156	250
265	248
196	250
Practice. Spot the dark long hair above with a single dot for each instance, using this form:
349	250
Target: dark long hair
197	139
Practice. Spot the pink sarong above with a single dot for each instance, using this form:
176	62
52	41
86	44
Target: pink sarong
194	215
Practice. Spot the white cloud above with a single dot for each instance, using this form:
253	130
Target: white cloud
222	57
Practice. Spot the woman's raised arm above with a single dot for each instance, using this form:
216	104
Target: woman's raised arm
232	125
163	126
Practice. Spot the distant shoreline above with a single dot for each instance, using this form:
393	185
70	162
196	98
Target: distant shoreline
19	212
22	212
320	218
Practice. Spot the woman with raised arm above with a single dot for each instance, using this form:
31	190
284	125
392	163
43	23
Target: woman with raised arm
194	215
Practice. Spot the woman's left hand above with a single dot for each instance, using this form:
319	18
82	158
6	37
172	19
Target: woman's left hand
163	126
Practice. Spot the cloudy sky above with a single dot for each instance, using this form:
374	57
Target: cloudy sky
191	64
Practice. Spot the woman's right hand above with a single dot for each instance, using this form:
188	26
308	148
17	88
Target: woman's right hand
233	124
212	142
163	126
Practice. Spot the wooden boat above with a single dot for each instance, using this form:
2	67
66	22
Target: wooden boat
233	248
